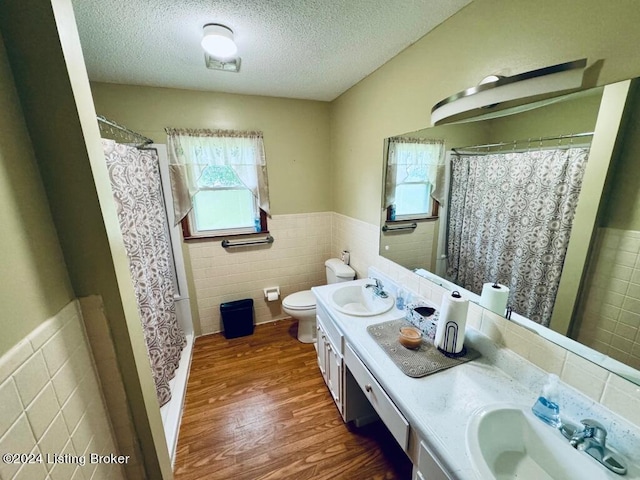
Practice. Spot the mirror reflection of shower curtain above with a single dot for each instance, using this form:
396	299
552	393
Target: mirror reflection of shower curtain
137	192
510	218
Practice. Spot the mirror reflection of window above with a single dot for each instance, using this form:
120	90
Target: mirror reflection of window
413	199
413	168
580	311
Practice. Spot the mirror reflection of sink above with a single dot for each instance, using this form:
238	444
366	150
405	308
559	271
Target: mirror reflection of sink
360	301
507	442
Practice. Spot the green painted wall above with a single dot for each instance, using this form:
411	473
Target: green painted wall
486	37
41	36
575	115
296	133
35	283
622	206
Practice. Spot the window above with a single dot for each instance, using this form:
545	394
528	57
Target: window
223	205
412	170
223	174
412	194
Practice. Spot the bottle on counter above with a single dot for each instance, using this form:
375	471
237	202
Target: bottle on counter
546	406
401	298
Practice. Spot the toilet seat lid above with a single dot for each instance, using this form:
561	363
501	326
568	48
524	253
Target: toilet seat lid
304	300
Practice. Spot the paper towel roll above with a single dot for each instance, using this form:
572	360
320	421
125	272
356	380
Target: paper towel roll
494	297
452	323
272	296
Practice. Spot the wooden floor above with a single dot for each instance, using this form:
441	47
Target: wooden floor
258	409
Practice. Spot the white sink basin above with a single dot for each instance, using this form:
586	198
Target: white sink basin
360	301
507	442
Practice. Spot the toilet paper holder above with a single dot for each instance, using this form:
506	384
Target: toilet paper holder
271	293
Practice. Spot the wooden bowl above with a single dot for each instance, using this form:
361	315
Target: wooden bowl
410	337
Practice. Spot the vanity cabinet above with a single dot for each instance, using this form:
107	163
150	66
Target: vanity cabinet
428	468
330	362
329	343
356	391
347	395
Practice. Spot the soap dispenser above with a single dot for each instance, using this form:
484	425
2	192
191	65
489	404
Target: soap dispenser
546	407
400	298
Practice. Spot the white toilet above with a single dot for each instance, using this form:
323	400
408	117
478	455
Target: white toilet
302	305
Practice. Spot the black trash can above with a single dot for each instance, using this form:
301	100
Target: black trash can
237	318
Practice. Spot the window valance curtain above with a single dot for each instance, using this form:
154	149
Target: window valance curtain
414	157
192	151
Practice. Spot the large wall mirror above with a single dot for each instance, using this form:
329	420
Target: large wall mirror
576	156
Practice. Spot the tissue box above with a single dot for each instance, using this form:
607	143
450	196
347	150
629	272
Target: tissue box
426	323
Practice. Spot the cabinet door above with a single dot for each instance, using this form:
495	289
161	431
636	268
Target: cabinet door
330	358
334	374
428	467
321	347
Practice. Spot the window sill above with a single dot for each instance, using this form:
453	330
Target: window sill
409	218
217	237
245	232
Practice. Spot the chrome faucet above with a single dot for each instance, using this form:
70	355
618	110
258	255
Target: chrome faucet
592	439
593	435
378	288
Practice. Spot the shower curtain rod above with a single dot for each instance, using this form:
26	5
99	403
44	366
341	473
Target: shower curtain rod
538	140
123	133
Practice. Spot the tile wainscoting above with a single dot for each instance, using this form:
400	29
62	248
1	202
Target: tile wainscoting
411	248
308	240
615	393
51	403
294	262
610	317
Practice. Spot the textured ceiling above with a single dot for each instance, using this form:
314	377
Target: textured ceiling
312	49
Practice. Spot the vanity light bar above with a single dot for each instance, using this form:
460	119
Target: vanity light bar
544	81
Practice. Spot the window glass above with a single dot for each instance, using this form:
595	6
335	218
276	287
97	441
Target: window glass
223	205
412	199
411	173
223	209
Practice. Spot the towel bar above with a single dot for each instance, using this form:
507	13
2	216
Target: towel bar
393	228
247	243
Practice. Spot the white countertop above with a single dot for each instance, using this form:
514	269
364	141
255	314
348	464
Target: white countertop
439	405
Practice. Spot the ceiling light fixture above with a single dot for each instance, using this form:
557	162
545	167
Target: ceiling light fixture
217	41
495	93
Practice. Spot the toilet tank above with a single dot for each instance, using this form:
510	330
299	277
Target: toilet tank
338	272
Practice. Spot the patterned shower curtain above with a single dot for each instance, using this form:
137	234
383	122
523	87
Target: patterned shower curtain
510	218
137	191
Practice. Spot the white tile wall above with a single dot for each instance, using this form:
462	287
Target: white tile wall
613	392
294	262
103	350
359	238
610	317
51	403
411	248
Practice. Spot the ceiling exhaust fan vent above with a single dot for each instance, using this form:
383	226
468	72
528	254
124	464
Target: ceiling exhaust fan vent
226	65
